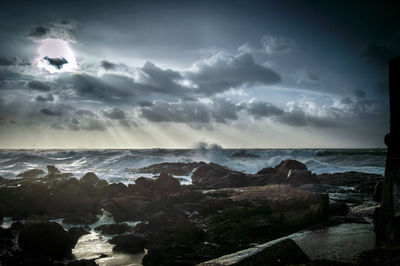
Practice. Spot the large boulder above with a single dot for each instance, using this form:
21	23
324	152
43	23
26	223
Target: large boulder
46	238
170	168
128	243
113	229
91	180
299	177
216	176
285	252
287	165
53	172
32	173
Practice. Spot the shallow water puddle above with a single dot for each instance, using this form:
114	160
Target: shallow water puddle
338	243
95	246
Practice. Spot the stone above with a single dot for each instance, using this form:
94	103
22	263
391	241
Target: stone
32	173
285	252
128	243
46	238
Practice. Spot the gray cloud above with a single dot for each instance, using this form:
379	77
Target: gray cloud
359	93
39	32
50	112
261	109
47	98
377	54
59	30
38	85
224	71
114	113
277	45
304	76
193	113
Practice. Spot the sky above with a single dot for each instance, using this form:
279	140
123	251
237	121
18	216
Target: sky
173	74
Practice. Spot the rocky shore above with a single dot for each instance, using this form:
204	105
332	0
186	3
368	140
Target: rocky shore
221	212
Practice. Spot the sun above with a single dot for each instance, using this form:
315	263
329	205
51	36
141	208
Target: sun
56	56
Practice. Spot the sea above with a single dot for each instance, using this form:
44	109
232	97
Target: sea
121	165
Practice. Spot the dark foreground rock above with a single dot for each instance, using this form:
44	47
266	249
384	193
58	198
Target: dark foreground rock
286	252
46	238
170	168
128	243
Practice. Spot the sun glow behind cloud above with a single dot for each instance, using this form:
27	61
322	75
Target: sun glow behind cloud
55	48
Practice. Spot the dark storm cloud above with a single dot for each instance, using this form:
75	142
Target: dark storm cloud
378	54
144	103
299	118
192	113
47	98
359	93
39	32
57	30
277	45
108	65
73	124
38	85
162	81
12	61
9	75
224	71
50	112
261	109
114	113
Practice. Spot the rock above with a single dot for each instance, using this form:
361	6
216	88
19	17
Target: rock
170	168
299	177
287	165
216	176
164	184
53	172
128	243
76	232
363	182
32	173
113	229
286	252
377	194
380	256
82	263
267	171
90	179
46	238
51	169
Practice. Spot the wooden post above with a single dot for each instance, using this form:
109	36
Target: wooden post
387	226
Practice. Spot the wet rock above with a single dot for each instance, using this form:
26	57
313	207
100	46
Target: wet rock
128	243
286	252
113	190
363	182
377	194
381	256
82	263
170	168
298	177
76	232
114	229
46	238
287	165
216	176
267	171
32	173
53	172
91	180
